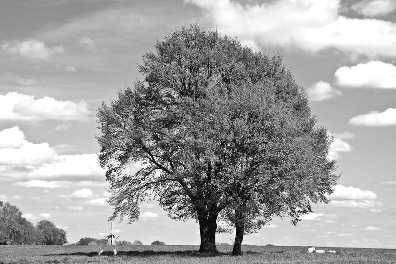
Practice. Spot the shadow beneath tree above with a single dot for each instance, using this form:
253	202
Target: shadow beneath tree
151	253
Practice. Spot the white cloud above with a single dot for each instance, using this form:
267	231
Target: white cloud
374	74
338	146
30	217
375	8
148	214
22	107
80	167
31	49
15	150
310	25
39	184
321	91
311	216
375	118
348	196
372	228
98	201
82	193
3	198
342	192
45	215
39	165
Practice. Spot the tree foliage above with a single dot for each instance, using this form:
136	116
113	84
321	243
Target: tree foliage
16	230
213	129
51	235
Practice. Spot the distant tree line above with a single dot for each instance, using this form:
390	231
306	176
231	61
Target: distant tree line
17	230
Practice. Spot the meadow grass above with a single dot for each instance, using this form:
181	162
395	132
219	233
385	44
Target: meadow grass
188	254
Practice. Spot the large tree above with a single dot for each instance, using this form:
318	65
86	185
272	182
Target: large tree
273	152
167	138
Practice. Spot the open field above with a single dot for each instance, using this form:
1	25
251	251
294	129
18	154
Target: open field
187	254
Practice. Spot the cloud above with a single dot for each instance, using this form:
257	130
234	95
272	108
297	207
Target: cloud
374	8
311	217
3	198
22	107
31	49
321	91
338	146
39	184
310	25
79	167
30	217
97	201
349	196
374	74
375	118
15	150
39	165
372	228
148	214
82	193
45	215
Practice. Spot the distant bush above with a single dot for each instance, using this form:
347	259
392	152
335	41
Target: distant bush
157	243
124	243
85	241
137	243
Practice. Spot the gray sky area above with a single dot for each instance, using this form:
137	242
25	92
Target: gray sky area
59	59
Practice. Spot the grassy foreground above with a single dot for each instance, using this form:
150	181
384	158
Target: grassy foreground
188	254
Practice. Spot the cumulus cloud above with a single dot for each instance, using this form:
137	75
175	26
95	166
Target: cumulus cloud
338	146
321	91
39	165
45	215
374	8
82	193
374	74
81	167
31	49
39	184
349	196
312	217
22	107
102	201
310	25
375	118
372	228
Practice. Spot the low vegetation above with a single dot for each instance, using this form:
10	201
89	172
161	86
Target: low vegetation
17	230
189	254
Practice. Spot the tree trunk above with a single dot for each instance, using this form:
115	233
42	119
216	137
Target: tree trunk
207	229
239	231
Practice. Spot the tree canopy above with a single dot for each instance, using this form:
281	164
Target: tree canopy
213	129
16	230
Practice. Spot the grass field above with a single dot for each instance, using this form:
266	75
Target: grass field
188	254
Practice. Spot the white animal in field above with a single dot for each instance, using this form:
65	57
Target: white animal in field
311	250
320	251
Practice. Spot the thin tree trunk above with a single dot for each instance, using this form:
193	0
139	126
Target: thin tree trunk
207	228
239	231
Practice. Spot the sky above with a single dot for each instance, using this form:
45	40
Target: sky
60	59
